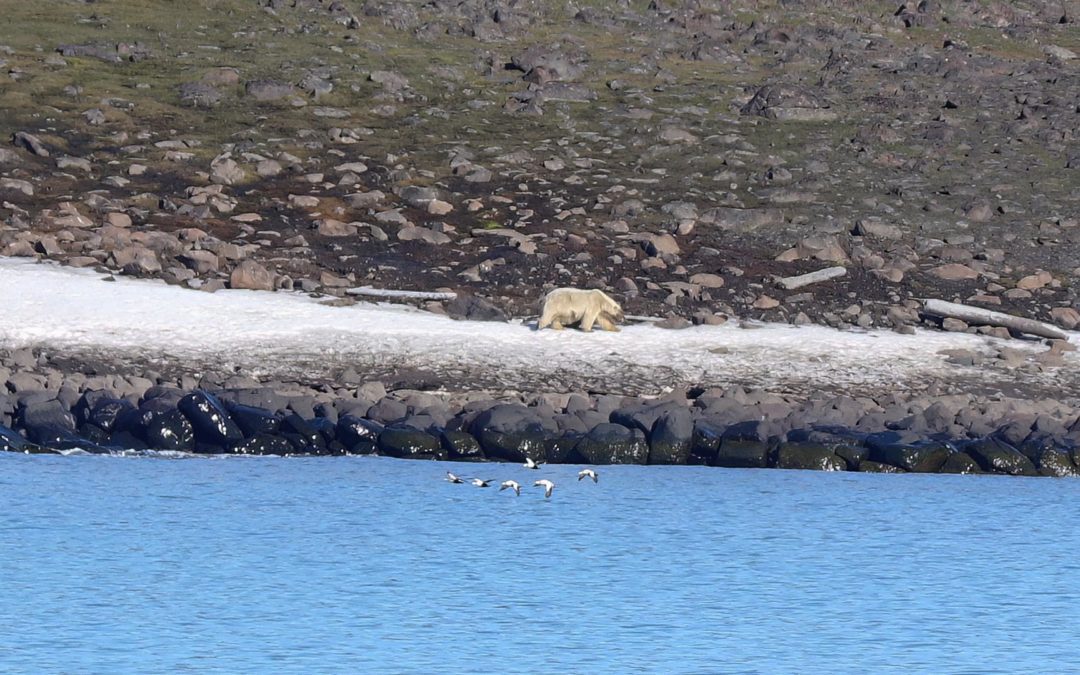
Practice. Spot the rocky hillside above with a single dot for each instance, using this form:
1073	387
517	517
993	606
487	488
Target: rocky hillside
683	155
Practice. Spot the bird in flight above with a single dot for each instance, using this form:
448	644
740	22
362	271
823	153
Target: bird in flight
588	473
511	485
547	485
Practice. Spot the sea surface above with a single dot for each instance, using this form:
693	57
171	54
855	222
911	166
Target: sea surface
374	565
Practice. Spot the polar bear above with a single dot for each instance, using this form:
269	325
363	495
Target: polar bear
565	306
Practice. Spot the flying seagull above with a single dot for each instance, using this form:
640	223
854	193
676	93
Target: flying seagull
512	485
547	485
588	473
481	483
452	478
530	464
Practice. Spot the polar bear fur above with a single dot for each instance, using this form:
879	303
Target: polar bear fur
566	306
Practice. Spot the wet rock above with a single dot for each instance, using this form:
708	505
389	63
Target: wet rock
671	437
920	456
407	442
997	456
461	446
808	456
612	444
960	462
302	434
263	444
359	436
210	421
253	420
46	422
741	447
169	430
13	441
512	432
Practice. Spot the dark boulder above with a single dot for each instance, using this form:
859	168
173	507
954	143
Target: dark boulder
870	466
1050	456
397	441
960	462
461	446
643	415
304	437
559	449
472	308
47	423
671	437
741	447
359	436
512	432
213	425
388	411
995	455
253	420
170	430
804	455
920	456
106	411
844	443
13	441
705	442
263	444
612	444
125	440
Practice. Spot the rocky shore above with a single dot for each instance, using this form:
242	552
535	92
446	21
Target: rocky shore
731	428
695	160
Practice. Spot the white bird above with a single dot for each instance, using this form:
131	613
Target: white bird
452	478
530	464
481	483
547	485
511	484
588	473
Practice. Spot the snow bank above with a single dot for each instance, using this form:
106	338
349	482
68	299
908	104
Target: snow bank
293	335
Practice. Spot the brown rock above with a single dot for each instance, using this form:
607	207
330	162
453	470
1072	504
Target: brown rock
251	275
1066	317
706	280
118	219
953	272
1033	281
766	302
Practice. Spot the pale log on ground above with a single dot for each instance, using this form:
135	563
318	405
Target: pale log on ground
370	292
977	315
791	283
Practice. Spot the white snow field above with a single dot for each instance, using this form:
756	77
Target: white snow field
74	312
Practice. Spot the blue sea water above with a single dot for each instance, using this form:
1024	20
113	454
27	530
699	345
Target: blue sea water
347	565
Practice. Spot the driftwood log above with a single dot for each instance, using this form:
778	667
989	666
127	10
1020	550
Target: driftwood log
987	317
791	283
369	291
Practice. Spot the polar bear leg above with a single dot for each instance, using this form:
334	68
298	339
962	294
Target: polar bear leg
589	319
606	323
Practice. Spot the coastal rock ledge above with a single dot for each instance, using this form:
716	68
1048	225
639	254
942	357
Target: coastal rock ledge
729	428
